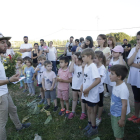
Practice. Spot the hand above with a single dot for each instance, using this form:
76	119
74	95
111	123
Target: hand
51	88
86	92
60	80
73	58
83	65
81	88
14	78
33	78
44	89
137	47
121	123
57	79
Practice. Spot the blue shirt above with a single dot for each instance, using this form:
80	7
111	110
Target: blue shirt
74	48
29	71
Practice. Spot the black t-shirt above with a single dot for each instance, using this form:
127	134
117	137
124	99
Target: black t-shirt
125	54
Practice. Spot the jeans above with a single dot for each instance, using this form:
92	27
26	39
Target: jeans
21	82
54	66
31	88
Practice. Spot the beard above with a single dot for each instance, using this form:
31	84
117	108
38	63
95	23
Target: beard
2	51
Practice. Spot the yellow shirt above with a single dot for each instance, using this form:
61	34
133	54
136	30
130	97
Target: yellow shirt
105	51
23	67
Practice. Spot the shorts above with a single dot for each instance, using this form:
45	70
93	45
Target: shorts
118	131
136	92
25	80
100	103
50	94
76	90
63	94
89	103
40	85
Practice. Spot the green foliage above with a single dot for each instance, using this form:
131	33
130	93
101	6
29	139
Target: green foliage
120	36
10	64
133	40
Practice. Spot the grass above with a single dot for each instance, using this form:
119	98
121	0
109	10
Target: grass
60	128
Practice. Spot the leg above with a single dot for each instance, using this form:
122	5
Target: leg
67	104
33	88
42	93
3	116
74	103
53	96
62	103
48	101
82	104
100	104
12	109
29	86
106	88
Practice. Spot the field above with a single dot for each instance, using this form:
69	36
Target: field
60	128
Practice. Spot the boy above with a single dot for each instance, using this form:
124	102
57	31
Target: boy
90	90
75	47
41	69
64	77
119	100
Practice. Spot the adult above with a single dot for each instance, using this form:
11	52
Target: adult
127	48
6	103
41	44
52	56
89	42
35	54
111	42
75	46
68	48
26	48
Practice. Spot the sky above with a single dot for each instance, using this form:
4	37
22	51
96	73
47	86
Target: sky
60	19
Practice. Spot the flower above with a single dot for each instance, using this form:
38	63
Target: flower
5	67
4	60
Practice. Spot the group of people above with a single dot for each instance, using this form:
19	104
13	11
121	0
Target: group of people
86	69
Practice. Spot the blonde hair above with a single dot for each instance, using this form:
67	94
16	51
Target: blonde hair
88	52
42	57
112	38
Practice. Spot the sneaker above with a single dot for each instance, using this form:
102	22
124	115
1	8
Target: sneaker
29	94
45	102
87	127
25	90
42	101
83	116
98	121
26	125
55	108
71	115
92	131
62	112
136	120
67	114
107	94
132	118
47	107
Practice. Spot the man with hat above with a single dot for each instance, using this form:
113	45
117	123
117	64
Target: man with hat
6	103
127	48
26	48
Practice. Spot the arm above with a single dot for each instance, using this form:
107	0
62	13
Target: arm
121	122
43	84
136	65
121	61
65	81
52	87
95	83
131	59
77	49
71	67
2	55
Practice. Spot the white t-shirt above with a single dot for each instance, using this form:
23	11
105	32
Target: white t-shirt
107	79
26	46
119	92
102	72
51	54
77	78
90	74
40	73
67	46
134	73
3	88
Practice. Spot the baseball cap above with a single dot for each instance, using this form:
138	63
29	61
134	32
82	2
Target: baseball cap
125	40
118	48
4	37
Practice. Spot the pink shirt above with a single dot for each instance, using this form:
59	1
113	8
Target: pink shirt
48	77
45	47
65	75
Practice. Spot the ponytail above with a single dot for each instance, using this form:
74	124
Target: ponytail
104	60
100	54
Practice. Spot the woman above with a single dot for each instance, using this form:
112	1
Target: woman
89	42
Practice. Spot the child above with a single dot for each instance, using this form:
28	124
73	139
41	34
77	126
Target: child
134	77
45	49
100	61
77	79
81	47
23	68
41	69
19	70
117	58
49	84
119	100
90	90
29	72
64	77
